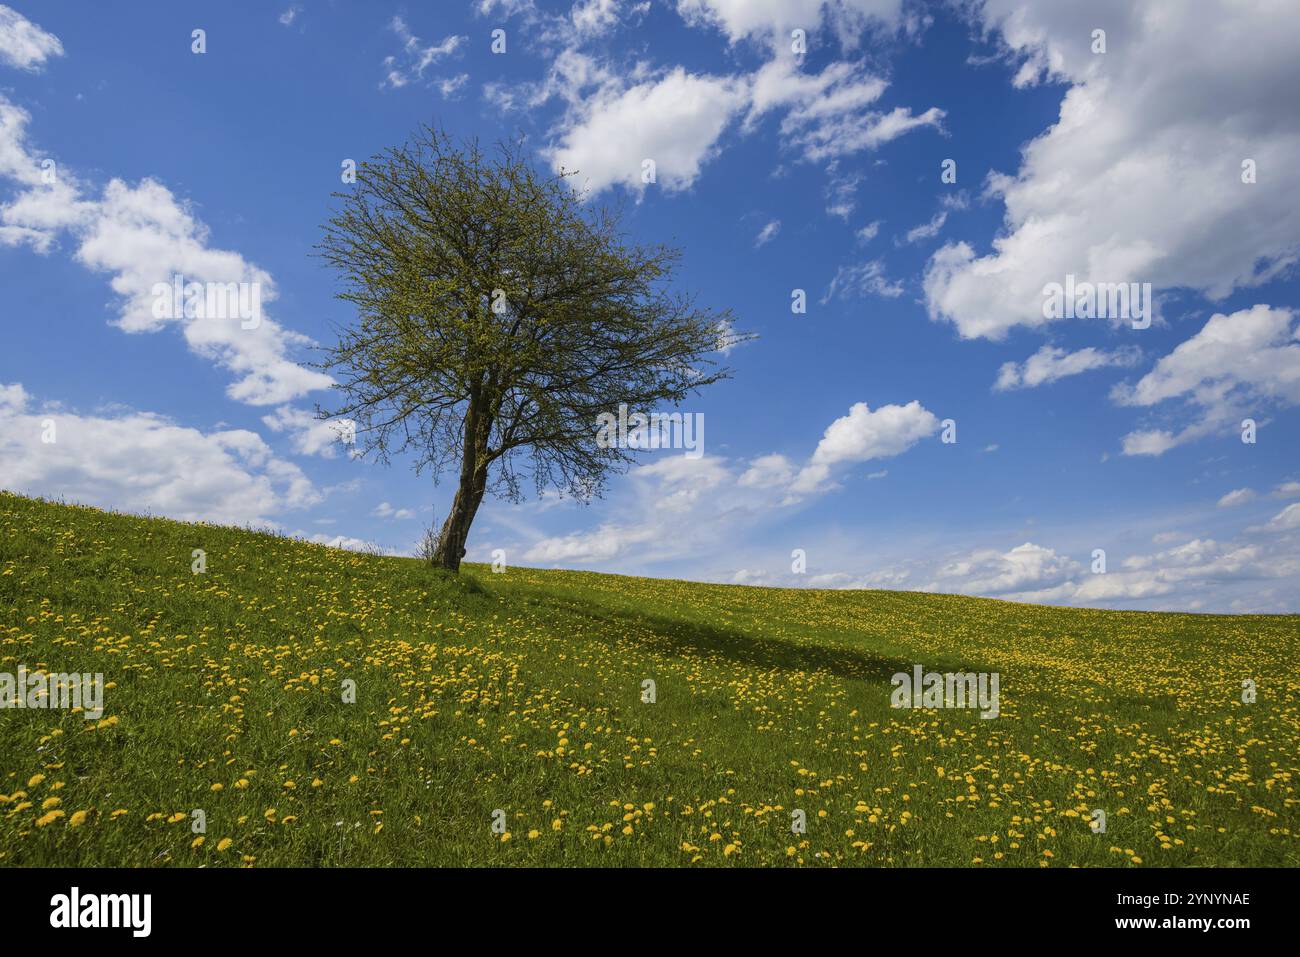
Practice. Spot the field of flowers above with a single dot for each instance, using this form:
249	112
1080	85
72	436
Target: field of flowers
522	693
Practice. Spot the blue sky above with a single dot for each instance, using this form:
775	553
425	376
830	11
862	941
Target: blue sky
774	172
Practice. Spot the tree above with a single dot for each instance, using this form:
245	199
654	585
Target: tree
497	315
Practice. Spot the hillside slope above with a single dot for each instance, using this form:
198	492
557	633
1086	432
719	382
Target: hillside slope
522	693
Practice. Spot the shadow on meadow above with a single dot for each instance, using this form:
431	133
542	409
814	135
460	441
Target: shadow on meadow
701	640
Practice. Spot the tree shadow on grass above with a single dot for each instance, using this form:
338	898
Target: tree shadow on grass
689	639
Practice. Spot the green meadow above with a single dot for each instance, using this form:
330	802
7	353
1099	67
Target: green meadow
298	705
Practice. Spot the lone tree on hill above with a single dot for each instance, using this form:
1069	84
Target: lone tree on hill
498	315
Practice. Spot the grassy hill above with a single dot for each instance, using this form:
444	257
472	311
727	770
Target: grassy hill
522	692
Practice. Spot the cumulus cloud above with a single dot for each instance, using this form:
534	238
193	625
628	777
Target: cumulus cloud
768	471
143	236
1238	496
40	208
1173	577
681	506
1050	363
989	572
23	44
616	120
348	543
1258	571
1182	126
673	121
1237	364
143	462
864	435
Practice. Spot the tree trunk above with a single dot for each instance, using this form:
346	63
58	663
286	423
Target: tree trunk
455	530
469	493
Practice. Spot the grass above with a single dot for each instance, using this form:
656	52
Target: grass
521	692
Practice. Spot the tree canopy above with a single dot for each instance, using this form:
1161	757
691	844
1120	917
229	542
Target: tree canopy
497	315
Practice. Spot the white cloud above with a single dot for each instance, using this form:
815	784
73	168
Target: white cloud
841	191
864	435
606	542
385	510
1149	442
592	18
927	230
142	462
1238	496
768	471
1198	572
681	506
868	232
452	85
1049	364
289	15
829	114
674	121
768	233
747	576
676	505
349	544
728	338
414	60
23	44
859	131
864	280
989	572
506	8
613	122
308	434
41	209
1287	490
1175	577
1236	365
766	19
13	398
1286	519
142	235
1181	127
